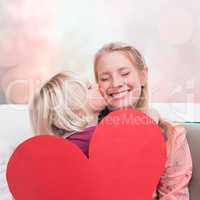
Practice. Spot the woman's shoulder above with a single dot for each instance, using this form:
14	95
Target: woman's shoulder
176	135
177	130
178	151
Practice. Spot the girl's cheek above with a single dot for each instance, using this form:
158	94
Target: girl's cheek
96	100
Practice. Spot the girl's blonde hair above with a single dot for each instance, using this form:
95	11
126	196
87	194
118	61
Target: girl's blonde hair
138	60
54	108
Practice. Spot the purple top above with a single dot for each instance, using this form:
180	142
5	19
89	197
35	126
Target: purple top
82	139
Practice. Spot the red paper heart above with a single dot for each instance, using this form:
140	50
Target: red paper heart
127	156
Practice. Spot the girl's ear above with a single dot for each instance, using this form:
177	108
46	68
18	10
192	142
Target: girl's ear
144	75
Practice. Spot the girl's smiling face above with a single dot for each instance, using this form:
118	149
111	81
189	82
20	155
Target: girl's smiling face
84	95
119	79
95	100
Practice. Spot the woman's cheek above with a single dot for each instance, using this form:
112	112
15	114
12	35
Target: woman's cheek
103	91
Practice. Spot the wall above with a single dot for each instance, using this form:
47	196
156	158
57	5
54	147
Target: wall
37	37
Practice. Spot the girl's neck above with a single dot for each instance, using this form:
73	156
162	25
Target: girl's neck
93	120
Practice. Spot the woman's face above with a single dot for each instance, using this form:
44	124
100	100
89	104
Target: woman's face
119	80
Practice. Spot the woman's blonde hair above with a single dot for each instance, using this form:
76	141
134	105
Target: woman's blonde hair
138	60
54	110
135	57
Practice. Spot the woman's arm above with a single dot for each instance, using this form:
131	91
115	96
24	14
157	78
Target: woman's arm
174	182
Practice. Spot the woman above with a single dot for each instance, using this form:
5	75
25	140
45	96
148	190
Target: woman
121	74
68	107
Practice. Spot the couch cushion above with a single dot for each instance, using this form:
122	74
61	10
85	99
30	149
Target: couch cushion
15	128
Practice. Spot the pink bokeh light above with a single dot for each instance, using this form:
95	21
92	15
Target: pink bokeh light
52	34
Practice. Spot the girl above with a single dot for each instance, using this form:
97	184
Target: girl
67	107
121	74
